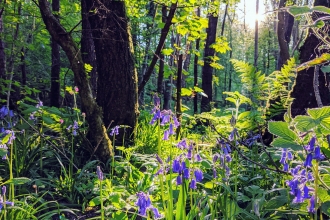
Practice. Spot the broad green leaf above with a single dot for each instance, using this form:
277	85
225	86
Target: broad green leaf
321	9
95	201
209	185
276	202
317	113
298	10
119	215
197	89
181	204
305	123
319	24
281	129
6	138
284	143
323	194
326	208
17	181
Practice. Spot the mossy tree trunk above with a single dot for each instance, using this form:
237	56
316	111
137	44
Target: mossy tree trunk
99	139
117	76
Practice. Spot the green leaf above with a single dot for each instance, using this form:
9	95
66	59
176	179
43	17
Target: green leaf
325	69
186	92
17	181
209	185
317	113
167	52
326	208
305	123
323	194
322	9
3	152
197	89
281	129
298	10
119	215
284	143
276	202
324	58
95	201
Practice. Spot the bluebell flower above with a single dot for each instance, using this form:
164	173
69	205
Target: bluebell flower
156	116
310	146
311	207
178	180
214	173
182	144
144	204
298	198
99	173
286	167
159	159
176	166
114	131
215	157
293	184
165	119
189	154
318	155
186	173
2	203
171	131
156	100
306	192
308	161
198	158
198	175
176	122
290	156
166	135
193	184
283	157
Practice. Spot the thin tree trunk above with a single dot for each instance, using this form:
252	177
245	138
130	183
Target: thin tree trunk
196	70
87	44
207	71
178	95
99	140
162	39
161	59
56	63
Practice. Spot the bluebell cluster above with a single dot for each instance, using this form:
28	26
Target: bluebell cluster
99	173
165	116
114	131
302	176
73	128
144	205
222	159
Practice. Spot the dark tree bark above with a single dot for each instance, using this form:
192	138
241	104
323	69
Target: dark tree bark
207	71
161	59
117	76
56	63
99	140
196	69
162	39
178	94
2	46
303	90
284	30
87	44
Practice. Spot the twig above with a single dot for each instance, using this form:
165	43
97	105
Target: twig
316	86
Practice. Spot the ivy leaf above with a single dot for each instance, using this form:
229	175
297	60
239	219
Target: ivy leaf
325	69
281	129
321	9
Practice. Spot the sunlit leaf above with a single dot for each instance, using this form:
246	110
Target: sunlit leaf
324	58
298	10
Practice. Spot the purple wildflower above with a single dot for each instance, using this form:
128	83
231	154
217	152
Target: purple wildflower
311	207
310	146
171	131
193	184
318	155
298	198
166	135
99	173
176	166
115	131
186	173
179	180
144	204
308	161
198	175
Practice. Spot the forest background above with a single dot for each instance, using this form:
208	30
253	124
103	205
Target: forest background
72	71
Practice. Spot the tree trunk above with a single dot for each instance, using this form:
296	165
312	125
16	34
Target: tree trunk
87	44
160	78
178	94
284	30
99	140
56	63
207	71
117	76
303	90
